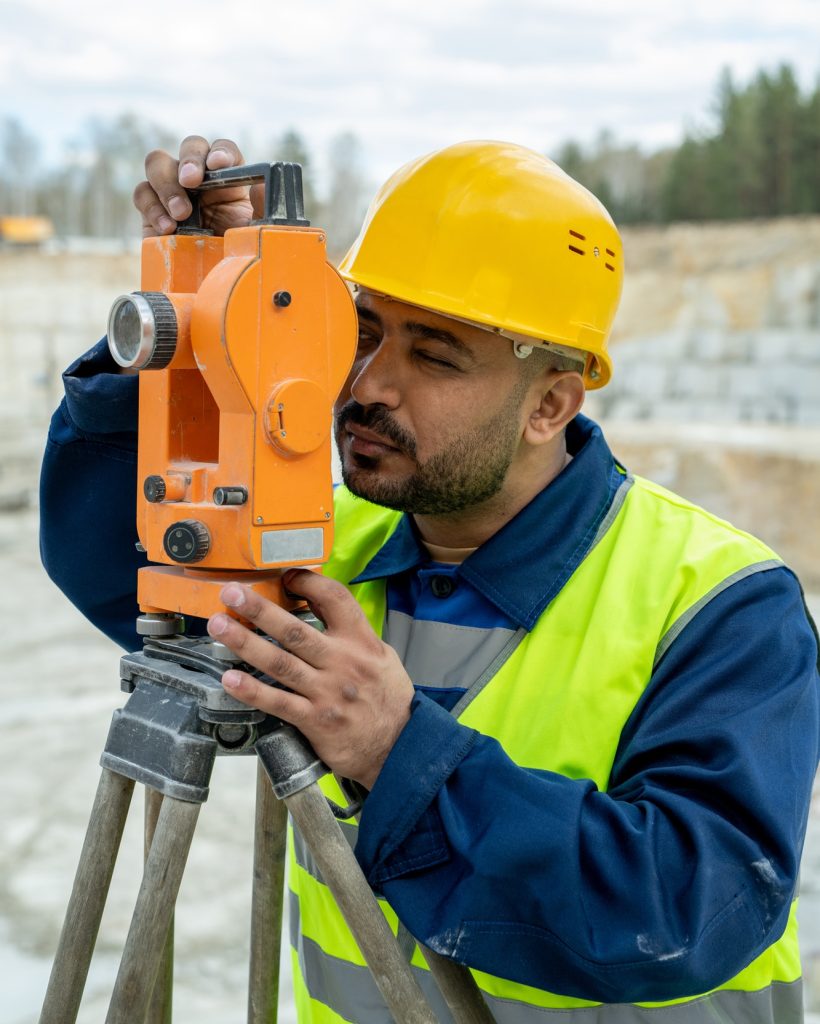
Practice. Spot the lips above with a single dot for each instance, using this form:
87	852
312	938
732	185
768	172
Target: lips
364	440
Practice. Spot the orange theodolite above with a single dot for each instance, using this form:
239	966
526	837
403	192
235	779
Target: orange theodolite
243	343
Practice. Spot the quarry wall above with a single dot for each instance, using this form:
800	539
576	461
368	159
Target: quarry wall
716	392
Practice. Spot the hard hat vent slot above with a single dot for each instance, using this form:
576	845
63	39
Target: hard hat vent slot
609	267
574	248
609	252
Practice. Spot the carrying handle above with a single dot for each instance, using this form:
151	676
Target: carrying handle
284	195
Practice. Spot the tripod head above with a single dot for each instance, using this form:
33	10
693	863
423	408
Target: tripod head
242	344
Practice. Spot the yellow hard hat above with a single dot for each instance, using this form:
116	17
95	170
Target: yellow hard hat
500	236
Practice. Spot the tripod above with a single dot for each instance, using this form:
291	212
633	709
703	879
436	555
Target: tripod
175	722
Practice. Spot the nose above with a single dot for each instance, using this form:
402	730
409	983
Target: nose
374	379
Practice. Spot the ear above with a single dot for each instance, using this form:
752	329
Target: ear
558	398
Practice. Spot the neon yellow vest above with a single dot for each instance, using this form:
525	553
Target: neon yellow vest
657	562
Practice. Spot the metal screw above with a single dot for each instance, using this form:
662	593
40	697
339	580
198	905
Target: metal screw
282	299
327	515
259	519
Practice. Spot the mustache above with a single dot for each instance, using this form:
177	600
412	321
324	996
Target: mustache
377	419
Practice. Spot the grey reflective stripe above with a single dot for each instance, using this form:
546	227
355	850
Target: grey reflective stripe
304	857
441	653
495	666
349	990
491	670
612	511
680	624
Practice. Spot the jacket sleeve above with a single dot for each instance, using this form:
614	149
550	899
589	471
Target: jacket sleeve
88	495
662	887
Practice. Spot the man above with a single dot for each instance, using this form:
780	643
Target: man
586	711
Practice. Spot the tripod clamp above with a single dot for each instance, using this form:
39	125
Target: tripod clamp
179	718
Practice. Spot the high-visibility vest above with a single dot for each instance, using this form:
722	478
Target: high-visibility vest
656	561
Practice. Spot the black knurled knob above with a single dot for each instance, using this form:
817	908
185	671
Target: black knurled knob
187	541
165	329
154	489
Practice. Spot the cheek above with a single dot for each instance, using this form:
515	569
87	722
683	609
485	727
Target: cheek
435	424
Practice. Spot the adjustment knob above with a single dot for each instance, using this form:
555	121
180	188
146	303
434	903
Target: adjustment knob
142	330
187	541
154	489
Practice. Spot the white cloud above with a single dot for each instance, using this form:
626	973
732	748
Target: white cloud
406	76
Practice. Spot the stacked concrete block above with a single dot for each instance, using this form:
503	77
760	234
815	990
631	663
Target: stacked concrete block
715	375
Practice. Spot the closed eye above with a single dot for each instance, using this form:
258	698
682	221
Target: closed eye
432	360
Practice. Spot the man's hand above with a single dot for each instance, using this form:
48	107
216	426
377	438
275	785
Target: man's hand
163	202
351	695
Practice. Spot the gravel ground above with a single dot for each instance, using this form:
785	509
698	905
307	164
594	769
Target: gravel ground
58	697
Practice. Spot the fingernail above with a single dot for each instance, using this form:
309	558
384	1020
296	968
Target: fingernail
217	624
231	680
178	207
233	595
166	224
221	154
188	170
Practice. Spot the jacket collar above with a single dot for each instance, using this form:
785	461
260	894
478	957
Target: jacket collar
521	568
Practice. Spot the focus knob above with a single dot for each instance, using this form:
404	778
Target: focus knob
187	541
142	330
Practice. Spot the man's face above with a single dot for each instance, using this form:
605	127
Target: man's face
430	419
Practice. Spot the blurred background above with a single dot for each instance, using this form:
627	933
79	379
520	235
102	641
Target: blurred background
698	125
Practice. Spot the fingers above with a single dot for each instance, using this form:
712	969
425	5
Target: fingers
168	178
258	200
222	153
331	602
291	707
162	200
155	218
276	662
193	154
300	644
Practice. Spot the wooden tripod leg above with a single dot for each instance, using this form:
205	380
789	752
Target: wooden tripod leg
85	907
160	1009
270	840
145	945
344	878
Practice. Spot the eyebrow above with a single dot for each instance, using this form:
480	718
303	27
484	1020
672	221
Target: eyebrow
438	334
420	330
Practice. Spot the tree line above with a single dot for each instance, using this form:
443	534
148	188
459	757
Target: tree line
759	156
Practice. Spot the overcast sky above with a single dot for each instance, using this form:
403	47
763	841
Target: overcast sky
407	77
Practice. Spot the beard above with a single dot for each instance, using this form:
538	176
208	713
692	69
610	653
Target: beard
466	472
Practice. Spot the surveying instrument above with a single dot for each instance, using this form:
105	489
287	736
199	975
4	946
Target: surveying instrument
242	344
